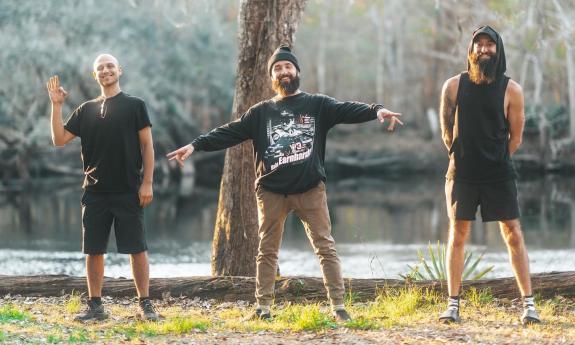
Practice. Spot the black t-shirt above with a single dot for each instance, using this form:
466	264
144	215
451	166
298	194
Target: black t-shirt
289	138
110	143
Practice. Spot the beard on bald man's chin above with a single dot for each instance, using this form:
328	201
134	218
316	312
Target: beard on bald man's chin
285	88
482	71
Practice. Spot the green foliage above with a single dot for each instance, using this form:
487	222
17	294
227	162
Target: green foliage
127	331
177	325
478	298
10	313
179	58
180	325
306	318
78	336
350	297
395	304
362	323
433	268
54	338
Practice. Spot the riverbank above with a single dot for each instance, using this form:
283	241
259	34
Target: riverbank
404	317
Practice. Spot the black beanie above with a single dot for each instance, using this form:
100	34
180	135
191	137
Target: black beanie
283	53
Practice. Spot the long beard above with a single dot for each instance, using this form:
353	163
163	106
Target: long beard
482	71
285	88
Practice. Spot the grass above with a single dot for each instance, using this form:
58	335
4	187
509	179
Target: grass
11	313
74	304
477	298
178	325
305	318
408	308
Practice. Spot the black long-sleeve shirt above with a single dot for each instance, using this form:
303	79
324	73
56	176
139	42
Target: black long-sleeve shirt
289	138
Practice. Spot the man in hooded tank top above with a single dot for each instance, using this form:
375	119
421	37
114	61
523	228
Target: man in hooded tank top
482	119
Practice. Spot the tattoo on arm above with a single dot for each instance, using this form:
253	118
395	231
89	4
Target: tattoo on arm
447	117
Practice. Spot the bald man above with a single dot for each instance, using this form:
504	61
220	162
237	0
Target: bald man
118	157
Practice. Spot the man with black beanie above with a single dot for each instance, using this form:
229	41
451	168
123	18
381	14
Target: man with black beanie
289	135
482	119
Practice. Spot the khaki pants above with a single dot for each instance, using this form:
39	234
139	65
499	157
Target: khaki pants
311	208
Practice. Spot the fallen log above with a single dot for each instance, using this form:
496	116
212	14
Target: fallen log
297	288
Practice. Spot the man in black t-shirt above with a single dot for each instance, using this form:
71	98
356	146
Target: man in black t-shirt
289	136
116	139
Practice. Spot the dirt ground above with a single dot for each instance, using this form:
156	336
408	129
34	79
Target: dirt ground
495	325
424	335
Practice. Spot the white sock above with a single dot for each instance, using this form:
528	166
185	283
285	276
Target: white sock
528	303
453	303
264	308
338	307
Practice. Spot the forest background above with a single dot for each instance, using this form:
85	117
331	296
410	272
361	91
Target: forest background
181	57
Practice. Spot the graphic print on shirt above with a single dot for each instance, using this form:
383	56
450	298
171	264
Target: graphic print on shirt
290	139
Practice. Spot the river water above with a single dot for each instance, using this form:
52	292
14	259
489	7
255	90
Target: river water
378	224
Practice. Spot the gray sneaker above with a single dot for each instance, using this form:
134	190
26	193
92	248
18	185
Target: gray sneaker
530	317
341	315
94	311
148	312
450	315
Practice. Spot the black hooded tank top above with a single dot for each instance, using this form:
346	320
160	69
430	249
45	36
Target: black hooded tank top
480	149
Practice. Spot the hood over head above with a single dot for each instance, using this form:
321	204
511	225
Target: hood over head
500	55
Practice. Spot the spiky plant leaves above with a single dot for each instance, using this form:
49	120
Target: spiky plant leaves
437	269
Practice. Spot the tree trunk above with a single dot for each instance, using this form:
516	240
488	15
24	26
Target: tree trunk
231	289
263	25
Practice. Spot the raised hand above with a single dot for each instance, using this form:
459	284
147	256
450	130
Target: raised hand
181	154
393	117
55	91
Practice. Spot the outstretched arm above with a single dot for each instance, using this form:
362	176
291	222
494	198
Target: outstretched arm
60	136
515	115
447	110
336	112
220	138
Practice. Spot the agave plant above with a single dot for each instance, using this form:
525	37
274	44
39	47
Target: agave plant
436	270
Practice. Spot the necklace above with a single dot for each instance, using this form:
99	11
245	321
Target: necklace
103	108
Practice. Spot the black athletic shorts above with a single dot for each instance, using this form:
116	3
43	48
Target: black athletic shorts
101	210
498	200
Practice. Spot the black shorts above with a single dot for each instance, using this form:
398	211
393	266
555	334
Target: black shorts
101	210
498	200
